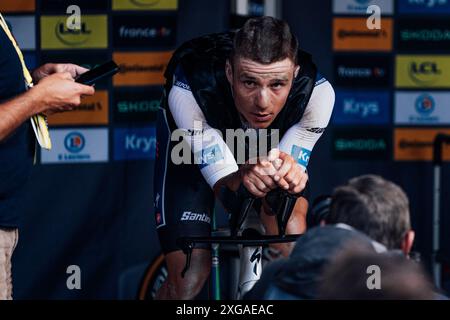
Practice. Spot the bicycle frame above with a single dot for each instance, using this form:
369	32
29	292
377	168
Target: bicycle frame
250	237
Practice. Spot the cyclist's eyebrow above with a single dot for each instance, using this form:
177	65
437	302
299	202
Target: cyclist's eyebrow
248	76
281	79
276	77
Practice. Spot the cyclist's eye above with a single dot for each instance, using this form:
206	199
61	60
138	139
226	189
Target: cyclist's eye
249	84
277	85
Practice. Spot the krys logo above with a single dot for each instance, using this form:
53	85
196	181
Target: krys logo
74	142
425	104
72	37
424	73
363	109
135	142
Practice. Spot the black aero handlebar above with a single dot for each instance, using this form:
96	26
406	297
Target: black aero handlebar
283	213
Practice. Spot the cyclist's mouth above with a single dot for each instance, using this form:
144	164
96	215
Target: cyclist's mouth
261	117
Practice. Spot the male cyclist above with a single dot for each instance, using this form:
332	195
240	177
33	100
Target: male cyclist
255	78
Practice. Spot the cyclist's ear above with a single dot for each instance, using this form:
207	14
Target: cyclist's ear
297	70
229	71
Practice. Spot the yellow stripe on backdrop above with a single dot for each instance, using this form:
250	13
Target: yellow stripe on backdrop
145	4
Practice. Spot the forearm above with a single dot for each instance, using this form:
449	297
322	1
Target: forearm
16	111
211	153
231	181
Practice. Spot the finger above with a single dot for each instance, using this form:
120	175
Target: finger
79	69
302	183
266	169
287	165
273	154
282	184
59	68
65	75
67	107
86	90
295	183
277	163
292	176
258	183
252	188
268	182
73	69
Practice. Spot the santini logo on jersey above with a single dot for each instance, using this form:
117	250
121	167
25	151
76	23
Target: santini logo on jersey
192	216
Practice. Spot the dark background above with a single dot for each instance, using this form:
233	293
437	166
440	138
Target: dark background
100	216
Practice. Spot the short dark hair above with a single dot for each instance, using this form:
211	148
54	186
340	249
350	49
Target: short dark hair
265	40
374	206
346	277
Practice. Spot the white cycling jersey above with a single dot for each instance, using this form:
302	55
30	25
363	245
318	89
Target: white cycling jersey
298	141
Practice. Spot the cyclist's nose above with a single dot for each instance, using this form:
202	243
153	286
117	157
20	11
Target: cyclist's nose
263	99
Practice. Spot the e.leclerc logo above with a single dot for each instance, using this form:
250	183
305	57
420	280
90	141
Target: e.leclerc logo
425	104
74	142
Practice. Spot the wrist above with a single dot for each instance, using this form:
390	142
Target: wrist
35	101
231	181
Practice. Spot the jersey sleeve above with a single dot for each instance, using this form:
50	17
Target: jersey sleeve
210	151
300	139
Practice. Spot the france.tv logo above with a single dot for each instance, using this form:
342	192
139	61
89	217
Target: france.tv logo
425	104
74	142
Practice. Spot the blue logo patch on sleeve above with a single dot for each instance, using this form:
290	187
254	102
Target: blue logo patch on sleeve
208	156
302	155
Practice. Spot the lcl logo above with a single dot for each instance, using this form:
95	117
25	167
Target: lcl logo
424	72
425	68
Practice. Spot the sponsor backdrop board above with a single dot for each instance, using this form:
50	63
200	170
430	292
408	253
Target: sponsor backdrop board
414	144
17	6
422	71
92	111
134	144
137	106
144	5
144	31
362	107
430	108
352	7
423	35
93	33
423	7
362	144
77	145
24	28
141	68
352	34
375	65
362	70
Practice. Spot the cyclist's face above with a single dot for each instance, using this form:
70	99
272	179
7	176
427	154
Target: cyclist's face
260	90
